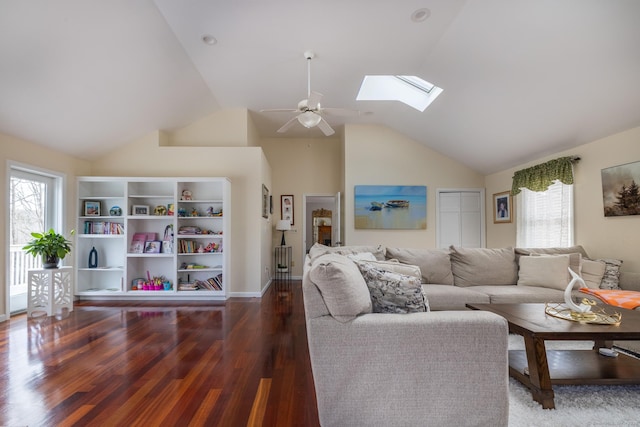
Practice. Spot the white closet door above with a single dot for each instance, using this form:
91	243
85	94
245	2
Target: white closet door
460	218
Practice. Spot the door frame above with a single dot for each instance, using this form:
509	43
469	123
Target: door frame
336	212
483	234
56	217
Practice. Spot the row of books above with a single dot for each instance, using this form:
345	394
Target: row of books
211	284
103	227
192	247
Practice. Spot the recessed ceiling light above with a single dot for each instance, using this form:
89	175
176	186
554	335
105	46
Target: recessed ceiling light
420	15
209	39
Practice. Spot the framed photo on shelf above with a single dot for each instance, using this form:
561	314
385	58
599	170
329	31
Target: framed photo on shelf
502	207
140	210
286	207
152	247
91	208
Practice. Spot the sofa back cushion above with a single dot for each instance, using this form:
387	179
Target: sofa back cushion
483	266
343	288
394	266
552	251
544	271
434	264
319	249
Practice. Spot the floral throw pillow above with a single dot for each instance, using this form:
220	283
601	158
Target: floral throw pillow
393	292
611	278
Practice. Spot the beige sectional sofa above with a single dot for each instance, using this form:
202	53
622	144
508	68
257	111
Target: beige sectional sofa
443	367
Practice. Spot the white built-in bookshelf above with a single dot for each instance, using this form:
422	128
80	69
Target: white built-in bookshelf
175	230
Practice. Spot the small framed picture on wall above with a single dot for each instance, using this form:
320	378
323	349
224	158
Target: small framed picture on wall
502	207
286	207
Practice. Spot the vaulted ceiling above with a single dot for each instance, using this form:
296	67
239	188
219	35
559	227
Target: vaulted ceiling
521	78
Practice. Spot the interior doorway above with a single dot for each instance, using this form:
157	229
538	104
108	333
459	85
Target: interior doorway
34	205
321	220
460	217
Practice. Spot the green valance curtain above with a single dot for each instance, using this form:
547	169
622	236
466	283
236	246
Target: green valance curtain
540	177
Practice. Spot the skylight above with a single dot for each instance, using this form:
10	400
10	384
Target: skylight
410	90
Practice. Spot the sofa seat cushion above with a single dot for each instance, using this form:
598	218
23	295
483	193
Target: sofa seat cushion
343	288
520	294
447	297
434	264
483	266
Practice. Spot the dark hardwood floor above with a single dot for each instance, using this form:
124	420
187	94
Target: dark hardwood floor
244	362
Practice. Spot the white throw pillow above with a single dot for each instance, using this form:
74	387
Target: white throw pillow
544	271
592	272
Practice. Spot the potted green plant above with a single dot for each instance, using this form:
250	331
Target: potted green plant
51	246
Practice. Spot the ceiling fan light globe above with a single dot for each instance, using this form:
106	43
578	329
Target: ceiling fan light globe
309	119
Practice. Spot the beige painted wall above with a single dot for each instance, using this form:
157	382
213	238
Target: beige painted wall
29	154
247	169
613	237
224	128
301	166
377	155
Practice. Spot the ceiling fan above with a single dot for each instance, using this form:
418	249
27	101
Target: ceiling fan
309	110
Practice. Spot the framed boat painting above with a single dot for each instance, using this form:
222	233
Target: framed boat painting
390	207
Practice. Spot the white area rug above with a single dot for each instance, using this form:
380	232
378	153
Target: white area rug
575	405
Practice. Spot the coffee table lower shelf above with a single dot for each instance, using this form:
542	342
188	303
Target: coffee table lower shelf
579	367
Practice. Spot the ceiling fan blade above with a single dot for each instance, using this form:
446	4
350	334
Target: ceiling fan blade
314	101
279	110
325	128
288	125
342	112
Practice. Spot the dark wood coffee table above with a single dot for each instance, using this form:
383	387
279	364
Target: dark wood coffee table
539	369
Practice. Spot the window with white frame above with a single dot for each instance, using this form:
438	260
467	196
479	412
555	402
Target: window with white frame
545	218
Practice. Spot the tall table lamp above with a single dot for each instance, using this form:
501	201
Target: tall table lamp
283	225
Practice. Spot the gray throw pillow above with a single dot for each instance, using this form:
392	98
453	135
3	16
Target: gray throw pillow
343	288
393	292
611	278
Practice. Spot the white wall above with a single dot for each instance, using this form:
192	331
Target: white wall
245	166
27	153
377	155
612	237
301	165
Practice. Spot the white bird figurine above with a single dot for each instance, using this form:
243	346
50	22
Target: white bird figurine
582	308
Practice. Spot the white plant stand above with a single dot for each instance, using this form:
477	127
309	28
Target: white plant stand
50	290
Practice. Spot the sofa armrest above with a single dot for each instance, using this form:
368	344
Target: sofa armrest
630	281
450	368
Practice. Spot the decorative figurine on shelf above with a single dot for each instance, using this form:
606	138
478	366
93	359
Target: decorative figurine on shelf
194	212
201	250
93	258
170	209
115	211
182	212
210	211
160	210
211	247
186	195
